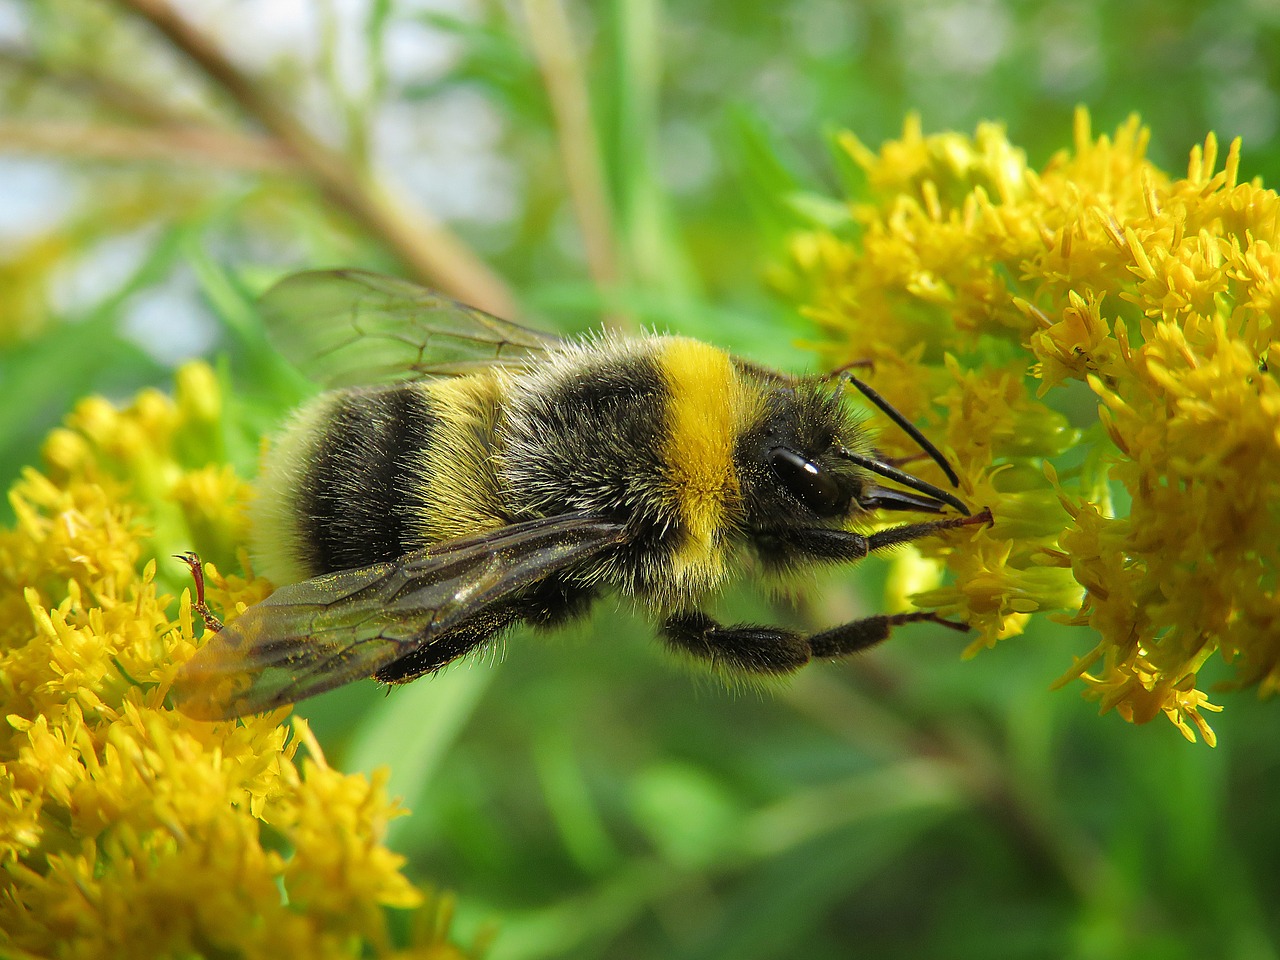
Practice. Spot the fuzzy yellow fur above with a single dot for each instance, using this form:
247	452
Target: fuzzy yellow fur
462	495
708	403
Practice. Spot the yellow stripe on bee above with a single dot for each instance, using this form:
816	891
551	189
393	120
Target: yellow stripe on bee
461	495
705	409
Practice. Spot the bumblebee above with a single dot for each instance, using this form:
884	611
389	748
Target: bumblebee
467	474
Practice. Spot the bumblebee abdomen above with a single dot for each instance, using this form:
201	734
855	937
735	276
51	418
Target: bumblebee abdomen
362	476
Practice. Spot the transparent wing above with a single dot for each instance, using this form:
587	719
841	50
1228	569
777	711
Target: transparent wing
310	637
352	327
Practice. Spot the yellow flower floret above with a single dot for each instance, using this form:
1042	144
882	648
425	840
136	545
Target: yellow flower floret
127	829
1104	318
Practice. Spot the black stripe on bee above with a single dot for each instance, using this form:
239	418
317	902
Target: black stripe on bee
356	496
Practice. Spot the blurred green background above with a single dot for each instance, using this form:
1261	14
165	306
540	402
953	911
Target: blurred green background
581	793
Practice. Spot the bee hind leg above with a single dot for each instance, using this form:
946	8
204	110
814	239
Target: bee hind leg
550	603
443	650
772	650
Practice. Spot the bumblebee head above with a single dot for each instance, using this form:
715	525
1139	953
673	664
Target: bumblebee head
814	461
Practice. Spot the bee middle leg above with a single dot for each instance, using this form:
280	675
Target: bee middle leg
773	650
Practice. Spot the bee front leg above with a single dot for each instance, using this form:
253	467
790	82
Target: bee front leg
808	544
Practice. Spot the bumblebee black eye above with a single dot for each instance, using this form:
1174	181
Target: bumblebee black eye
816	488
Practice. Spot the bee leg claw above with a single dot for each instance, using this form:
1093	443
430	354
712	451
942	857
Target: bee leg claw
193	562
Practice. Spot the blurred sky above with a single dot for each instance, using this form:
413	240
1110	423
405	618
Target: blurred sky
1188	67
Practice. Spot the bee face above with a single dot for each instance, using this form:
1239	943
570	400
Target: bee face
823	491
792	460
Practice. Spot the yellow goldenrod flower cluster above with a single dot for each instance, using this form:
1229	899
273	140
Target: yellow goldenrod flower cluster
1091	341
127	829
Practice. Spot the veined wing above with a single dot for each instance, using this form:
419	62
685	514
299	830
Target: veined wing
310	637
353	327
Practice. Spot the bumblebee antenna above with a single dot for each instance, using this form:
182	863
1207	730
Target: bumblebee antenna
911	430
904	478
